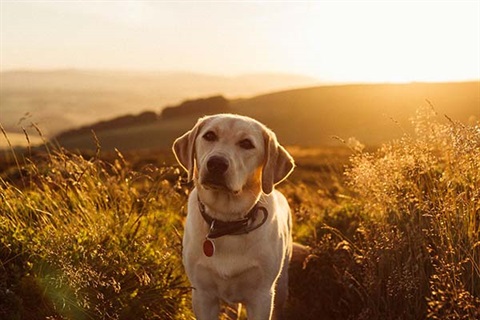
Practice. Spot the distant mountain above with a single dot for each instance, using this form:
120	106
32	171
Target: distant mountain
307	117
64	99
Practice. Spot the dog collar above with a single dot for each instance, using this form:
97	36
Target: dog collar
219	228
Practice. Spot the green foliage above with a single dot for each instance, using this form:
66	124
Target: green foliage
90	240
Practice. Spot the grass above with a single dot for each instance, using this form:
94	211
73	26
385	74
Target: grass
84	239
394	232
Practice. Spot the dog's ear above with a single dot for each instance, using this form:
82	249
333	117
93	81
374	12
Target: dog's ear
278	163
184	148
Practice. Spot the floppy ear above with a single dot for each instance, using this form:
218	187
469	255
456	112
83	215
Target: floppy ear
278	163
184	149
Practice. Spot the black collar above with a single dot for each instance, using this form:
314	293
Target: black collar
219	228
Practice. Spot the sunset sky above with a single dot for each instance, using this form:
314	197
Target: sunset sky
333	41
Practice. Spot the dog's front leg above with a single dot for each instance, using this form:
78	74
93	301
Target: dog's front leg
260	307
205	306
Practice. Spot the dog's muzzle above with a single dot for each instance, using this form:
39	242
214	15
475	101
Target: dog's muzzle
214	177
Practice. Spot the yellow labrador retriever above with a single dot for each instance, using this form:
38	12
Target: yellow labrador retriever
237	242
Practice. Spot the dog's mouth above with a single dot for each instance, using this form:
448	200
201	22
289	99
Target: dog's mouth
216	184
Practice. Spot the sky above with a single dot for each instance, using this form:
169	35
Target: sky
332	41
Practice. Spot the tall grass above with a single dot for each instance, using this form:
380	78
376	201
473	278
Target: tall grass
84	239
414	252
428	187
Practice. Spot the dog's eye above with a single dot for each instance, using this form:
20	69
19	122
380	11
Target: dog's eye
210	136
246	144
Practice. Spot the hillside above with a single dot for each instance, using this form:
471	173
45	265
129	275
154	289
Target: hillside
65	99
370	113
310	117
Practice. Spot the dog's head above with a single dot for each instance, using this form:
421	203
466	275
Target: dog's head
233	154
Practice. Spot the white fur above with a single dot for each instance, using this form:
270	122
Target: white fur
250	269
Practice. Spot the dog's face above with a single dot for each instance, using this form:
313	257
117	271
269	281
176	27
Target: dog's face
229	152
233	154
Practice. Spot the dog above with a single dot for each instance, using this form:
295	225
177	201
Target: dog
237	242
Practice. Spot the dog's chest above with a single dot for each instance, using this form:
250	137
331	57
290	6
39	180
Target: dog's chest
233	275
232	257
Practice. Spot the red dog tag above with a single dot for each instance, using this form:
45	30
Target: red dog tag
208	247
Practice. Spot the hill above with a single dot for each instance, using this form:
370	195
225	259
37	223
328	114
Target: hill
65	99
371	113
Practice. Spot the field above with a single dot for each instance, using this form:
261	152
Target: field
394	232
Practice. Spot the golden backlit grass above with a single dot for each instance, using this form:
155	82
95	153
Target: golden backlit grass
404	243
426	190
84	239
394	233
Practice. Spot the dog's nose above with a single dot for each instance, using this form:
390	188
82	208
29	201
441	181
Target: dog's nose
218	165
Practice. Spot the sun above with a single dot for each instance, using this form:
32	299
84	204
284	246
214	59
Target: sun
386	42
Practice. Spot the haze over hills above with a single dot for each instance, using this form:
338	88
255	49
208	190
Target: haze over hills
64	99
371	113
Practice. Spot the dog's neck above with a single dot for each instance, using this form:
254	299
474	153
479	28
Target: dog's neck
254	219
226	206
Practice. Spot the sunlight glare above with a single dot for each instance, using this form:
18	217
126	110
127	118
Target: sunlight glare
333	41
390	42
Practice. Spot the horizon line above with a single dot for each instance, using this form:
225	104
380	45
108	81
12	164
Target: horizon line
314	80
